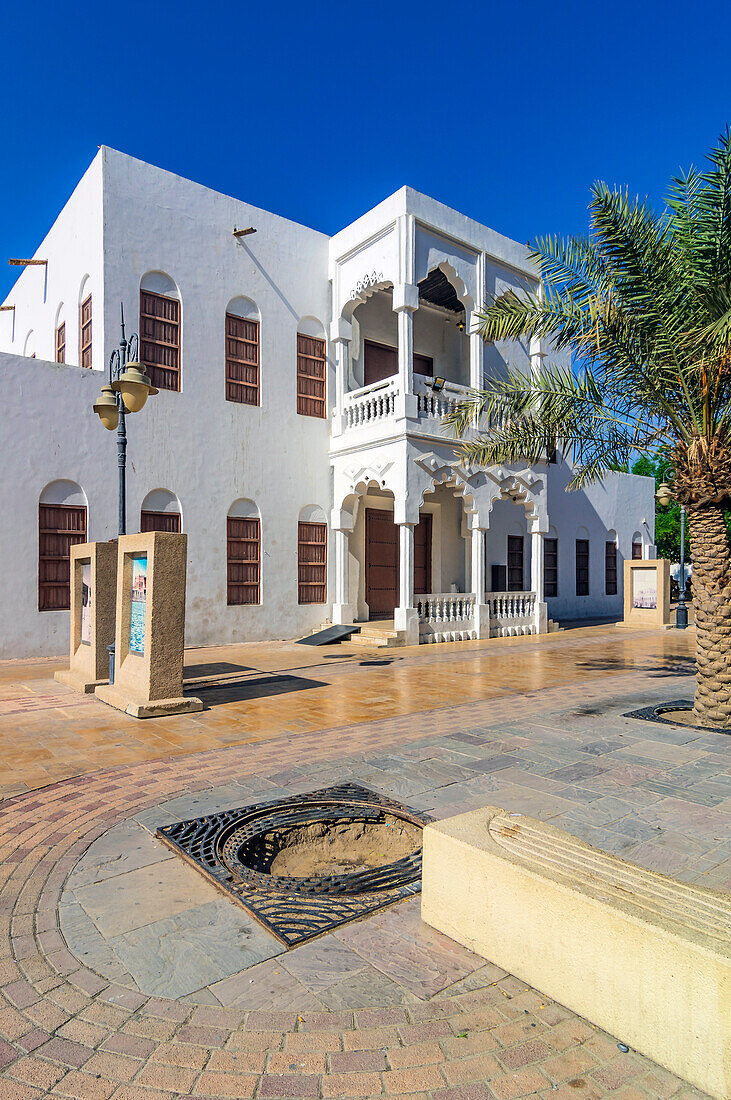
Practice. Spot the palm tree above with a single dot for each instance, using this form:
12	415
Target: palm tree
641	309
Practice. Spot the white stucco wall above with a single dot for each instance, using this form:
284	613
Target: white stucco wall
46	296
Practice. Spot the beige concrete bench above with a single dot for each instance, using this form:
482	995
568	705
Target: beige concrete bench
643	956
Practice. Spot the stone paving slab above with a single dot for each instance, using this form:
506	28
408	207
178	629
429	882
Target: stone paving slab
382	1007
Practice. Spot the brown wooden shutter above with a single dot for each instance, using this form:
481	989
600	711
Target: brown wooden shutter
516	570
61	343
243	560
637	551
610	569
582	567
422	555
60	527
310	377
160	339
312	562
160	521
242	360
550	568
85	333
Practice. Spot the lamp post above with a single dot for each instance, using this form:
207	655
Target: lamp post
664	495
127	391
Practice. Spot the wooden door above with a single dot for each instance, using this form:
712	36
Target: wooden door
516	574
381	563
422	555
381	361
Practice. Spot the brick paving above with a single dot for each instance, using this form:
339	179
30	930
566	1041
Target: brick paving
447	1026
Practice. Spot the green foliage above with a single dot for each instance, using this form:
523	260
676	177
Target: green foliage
643	304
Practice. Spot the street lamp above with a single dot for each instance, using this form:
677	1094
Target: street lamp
663	496
128	390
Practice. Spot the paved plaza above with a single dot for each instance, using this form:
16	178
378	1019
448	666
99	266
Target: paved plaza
125	975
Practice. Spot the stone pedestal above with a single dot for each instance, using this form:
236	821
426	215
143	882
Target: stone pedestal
150	627
93	586
646	593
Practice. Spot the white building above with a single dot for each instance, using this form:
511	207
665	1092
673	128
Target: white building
297	437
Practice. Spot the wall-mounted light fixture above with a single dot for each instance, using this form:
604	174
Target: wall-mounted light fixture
437	384
244	232
461	325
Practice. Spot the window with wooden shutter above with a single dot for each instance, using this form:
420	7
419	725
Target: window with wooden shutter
637	551
516	573
550	568
243	560
85	333
610	569
242	360
160	339
60	526
61	343
312	562
310	377
582	567
159	521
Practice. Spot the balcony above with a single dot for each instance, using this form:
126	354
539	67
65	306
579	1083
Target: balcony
382	410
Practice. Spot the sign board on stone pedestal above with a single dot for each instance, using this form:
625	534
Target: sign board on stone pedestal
150	627
93	585
646	592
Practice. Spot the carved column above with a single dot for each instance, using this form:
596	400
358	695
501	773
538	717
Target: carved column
342	612
406	617
341	332
405	304
482	609
537	581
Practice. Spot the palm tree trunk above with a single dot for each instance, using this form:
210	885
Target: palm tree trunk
711	555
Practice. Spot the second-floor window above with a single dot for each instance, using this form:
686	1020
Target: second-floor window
310	376
160	339
242	360
85	333
61	344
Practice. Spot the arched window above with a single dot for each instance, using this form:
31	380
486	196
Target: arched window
160	512
60	336
312	555
85	323
637	549
610	564
243	553
311	368
242	352
582	562
160	329
62	523
550	565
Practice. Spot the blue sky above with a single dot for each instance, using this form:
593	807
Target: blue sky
505	110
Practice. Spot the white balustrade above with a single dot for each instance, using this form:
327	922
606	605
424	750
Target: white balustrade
434	406
370	403
446	616
511	613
